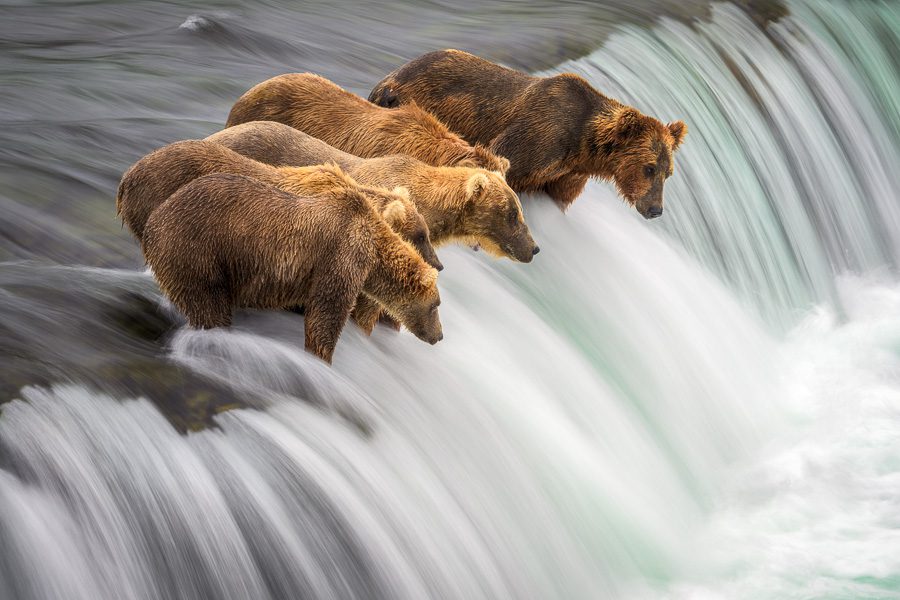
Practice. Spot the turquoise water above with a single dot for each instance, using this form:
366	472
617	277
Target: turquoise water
702	406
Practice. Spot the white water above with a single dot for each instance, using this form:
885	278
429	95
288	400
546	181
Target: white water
816	514
785	184
576	441
625	417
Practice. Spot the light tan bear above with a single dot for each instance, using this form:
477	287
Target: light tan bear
472	206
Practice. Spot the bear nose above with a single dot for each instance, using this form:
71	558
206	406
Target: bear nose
654	211
535	250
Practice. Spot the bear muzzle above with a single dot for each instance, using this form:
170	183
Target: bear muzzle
522	252
650	205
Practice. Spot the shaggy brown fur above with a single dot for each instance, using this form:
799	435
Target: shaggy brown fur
556	131
281	145
472	206
440	189
320	108
226	240
155	177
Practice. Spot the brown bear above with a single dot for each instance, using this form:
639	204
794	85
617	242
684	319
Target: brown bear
485	220
225	241
473	206
322	109
155	177
556	131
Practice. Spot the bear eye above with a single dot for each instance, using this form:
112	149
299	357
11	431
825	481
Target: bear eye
513	216
420	239
649	171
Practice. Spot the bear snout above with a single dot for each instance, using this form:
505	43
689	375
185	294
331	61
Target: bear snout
653	212
522	252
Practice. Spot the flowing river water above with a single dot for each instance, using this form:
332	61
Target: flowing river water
702	406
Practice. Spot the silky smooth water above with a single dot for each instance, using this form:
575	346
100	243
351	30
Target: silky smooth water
700	406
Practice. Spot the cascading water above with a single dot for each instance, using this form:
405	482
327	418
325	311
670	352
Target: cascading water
704	405
790	175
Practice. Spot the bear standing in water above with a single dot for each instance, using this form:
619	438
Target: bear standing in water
556	131
322	109
225	240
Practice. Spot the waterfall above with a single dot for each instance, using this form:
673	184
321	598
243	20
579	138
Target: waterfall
703	405
789	177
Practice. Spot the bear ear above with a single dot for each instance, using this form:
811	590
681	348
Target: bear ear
394	213
428	277
402	192
476	185
504	165
678	130
625	123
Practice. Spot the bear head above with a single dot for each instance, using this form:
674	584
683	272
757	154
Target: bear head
638	153
419	313
401	216
493	217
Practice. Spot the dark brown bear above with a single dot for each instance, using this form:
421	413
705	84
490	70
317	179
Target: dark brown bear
322	109
225	241
556	131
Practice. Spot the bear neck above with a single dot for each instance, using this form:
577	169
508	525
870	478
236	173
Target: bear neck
603	162
394	277
428	139
440	199
294	180
449	153
379	197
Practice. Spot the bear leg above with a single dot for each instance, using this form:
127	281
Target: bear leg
365	313
565	189
327	310
389	321
206	309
